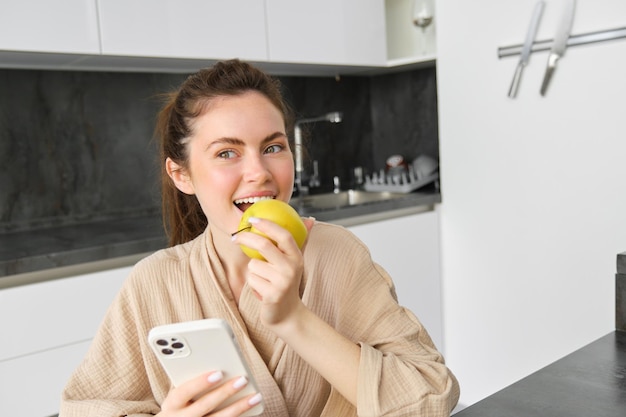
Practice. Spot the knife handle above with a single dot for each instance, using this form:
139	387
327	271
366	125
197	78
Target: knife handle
517	76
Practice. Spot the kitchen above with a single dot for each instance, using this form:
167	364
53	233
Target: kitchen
497	167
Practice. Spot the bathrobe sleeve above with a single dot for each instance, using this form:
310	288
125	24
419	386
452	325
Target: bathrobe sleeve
401	373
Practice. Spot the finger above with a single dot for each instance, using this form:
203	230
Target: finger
240	406
280	235
266	247
261	287
182	395
214	399
275	287
309	222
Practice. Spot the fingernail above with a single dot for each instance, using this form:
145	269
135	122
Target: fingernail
253	220
241	382
216	376
254	400
312	218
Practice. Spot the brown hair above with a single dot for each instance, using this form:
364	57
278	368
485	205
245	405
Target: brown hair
183	218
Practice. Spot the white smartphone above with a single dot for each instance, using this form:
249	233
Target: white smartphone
187	349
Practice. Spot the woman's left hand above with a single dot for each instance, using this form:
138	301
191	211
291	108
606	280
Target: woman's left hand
276	281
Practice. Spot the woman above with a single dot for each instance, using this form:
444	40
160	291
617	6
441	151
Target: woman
320	328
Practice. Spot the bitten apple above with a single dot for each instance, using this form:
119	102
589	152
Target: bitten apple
280	213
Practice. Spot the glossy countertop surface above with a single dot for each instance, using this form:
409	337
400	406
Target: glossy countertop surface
56	247
588	382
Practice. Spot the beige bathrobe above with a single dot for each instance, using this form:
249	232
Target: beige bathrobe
400	373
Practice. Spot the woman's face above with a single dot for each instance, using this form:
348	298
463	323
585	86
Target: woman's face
238	152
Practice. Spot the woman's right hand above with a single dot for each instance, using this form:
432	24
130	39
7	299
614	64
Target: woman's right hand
180	400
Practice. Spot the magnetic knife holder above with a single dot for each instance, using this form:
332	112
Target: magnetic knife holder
574	40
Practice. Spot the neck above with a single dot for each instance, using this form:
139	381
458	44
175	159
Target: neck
233	260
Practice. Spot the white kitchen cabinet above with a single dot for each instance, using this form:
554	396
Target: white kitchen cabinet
376	33
198	29
67	26
284	37
345	32
407	248
46	330
31	385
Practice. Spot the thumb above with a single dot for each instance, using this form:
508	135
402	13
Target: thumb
308	223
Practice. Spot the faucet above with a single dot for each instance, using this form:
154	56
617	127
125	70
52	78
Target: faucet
333	117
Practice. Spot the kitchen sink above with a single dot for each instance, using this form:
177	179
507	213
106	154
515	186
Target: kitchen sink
342	199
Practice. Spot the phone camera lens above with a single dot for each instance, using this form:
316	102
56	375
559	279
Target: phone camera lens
162	342
167	351
178	345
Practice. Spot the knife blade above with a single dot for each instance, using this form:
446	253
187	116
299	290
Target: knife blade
560	43
528	43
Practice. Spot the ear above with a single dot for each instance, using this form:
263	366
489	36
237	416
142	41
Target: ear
179	176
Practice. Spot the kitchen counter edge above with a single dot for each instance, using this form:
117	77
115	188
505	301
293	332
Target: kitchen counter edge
94	247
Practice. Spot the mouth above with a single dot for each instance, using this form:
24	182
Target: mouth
244	203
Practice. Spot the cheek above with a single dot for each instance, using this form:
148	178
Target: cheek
224	176
285	177
285	174
210	182
214	190
207	173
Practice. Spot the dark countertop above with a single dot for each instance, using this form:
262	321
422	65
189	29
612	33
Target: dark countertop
57	247
588	382
22	252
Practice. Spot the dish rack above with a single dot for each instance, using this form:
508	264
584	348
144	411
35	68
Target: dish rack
401	186
421	172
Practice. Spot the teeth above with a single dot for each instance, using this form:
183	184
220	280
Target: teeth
252	200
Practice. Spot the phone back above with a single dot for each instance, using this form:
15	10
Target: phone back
188	349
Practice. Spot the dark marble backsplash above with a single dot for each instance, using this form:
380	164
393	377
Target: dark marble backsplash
78	146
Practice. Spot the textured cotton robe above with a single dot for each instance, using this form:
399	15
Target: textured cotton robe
400	372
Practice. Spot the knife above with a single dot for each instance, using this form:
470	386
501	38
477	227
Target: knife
528	43
559	44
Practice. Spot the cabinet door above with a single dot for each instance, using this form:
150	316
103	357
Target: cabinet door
341	32
46	315
68	26
46	330
408	249
199	29
31	385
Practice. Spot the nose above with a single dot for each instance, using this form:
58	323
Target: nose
256	169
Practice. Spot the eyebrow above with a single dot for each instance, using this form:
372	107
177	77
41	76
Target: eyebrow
238	142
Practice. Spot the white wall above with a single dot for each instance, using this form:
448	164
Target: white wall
534	189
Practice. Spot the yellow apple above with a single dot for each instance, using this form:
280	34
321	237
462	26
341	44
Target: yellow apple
280	213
